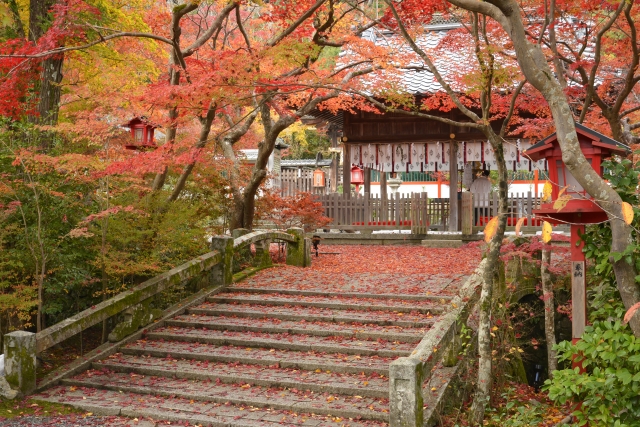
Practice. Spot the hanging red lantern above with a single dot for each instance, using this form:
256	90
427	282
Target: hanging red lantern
357	177
318	178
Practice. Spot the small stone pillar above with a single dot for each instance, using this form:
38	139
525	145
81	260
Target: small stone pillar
222	274
405	391
263	256
299	253
242	255
20	361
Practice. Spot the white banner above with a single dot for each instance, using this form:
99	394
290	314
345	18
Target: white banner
462	146
435	156
384	158
355	154
417	158
401	157
369	156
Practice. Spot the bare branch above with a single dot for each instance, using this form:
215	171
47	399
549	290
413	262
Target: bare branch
296	23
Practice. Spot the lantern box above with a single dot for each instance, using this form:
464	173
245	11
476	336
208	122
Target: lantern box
581	208
142	134
357	177
318	178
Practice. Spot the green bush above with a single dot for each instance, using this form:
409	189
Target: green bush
610	388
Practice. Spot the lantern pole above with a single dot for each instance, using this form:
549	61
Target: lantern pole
578	287
346	169
453	184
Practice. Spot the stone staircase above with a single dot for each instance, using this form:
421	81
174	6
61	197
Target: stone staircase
256	356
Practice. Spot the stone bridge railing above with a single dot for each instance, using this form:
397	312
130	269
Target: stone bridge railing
21	347
408	375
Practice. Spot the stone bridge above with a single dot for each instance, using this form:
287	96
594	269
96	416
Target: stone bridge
364	336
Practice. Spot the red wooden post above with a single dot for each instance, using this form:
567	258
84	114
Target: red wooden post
536	180
439	186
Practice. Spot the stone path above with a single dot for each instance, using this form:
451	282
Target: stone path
286	347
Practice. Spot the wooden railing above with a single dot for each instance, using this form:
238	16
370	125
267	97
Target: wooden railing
413	211
21	347
520	205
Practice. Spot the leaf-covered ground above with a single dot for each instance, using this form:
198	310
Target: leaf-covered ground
379	270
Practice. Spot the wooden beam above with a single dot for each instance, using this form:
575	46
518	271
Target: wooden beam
346	170
453	185
367	180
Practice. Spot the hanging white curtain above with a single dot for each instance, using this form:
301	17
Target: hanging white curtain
460	155
401	157
418	160
368	156
355	154
384	158
433	156
474	151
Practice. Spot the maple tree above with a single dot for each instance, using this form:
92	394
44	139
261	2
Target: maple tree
299	211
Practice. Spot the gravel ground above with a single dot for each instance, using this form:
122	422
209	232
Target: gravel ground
74	421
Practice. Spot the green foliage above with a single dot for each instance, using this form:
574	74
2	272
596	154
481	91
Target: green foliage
610	387
516	412
305	142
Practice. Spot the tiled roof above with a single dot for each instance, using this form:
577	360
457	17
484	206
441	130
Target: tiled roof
296	163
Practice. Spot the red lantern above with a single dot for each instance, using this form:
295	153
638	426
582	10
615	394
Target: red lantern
318	178
581	209
142	134
357	177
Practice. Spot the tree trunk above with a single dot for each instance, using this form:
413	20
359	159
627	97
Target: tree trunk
48	87
485	374
205	129
40	314
549	311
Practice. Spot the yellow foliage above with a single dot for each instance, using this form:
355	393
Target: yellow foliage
546	232
561	202
490	229
519	225
627	213
546	192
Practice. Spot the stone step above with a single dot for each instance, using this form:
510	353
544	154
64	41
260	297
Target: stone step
408	297
284	341
325	329
397	306
366	408
401	283
310	314
189	411
305	360
443	243
318	381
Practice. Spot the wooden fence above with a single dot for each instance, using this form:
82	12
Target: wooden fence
520	205
294	181
418	213
415	212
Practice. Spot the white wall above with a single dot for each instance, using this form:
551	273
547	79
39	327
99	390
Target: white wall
432	189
